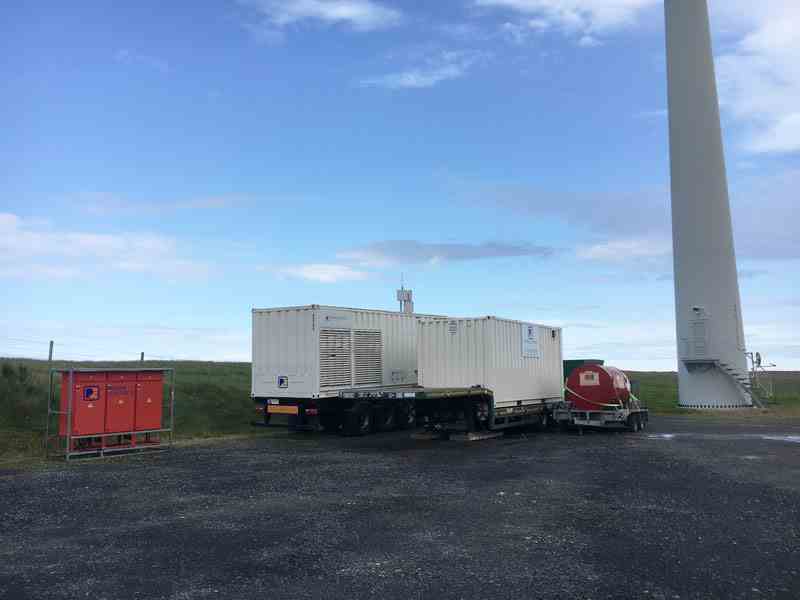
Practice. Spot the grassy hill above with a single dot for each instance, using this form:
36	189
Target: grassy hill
214	398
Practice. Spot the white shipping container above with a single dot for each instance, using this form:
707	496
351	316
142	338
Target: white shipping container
315	351
521	363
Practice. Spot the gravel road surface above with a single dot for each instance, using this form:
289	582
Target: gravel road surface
691	508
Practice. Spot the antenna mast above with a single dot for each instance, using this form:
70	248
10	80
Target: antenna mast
405	298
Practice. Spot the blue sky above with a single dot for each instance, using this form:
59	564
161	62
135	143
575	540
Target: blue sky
164	167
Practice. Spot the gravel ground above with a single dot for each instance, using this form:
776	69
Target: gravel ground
692	508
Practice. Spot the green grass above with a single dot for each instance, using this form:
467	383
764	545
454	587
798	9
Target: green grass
659	391
213	399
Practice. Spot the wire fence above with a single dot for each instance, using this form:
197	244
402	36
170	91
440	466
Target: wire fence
74	350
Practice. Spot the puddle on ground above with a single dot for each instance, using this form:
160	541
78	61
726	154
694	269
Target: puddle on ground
774	437
794	439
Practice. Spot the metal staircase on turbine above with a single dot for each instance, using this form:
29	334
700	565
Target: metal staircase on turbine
757	384
742	382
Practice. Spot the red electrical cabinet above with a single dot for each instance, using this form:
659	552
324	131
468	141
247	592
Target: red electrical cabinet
149	400
88	403
120	401
103	413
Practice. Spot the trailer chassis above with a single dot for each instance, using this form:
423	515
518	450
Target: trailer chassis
468	410
633	418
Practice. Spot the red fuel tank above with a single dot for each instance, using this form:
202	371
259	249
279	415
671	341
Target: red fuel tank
88	403
149	400
596	387
120	401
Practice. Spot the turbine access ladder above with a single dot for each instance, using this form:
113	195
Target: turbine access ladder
757	385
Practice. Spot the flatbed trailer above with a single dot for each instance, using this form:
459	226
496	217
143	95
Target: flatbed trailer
471	409
363	411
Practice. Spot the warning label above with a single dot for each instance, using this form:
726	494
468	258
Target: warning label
589	379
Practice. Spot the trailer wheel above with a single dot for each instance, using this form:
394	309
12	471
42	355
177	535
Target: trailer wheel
267	416
633	423
544	420
387	420
359	419
406	416
330	422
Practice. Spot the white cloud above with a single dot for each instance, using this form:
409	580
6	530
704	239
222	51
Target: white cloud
782	135
324	273
465	32
435	69
104	204
360	263
30	250
581	19
758	69
360	15
394	252
760	77
620	250
637	223
589	41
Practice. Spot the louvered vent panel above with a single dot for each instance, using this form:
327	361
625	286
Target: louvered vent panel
335	358
368	349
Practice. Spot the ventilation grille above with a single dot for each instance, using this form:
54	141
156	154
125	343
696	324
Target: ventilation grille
335	358
367	350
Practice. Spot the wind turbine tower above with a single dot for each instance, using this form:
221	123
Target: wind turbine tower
712	365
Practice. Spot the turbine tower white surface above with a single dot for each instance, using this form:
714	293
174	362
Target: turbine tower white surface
712	366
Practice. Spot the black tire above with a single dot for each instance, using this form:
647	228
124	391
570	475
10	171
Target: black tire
470	416
406	415
544	421
633	423
267	416
359	420
330	422
387	418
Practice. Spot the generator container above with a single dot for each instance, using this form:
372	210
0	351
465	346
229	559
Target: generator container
520	363
597	387
314	351
149	400
120	401
88	403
